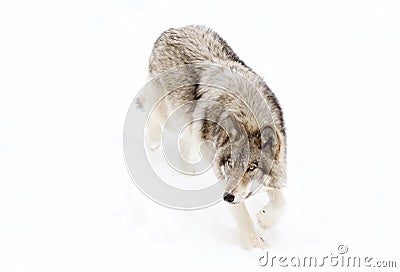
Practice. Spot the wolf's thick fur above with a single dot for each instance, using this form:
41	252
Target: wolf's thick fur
252	124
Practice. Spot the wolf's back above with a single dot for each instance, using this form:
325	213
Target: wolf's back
188	45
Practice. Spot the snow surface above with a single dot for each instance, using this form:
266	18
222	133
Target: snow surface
69	71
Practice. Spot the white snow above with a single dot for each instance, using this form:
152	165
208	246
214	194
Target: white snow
69	71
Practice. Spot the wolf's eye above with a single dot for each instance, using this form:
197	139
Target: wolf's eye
252	167
228	163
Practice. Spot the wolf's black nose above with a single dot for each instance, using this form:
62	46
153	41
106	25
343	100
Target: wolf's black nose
229	197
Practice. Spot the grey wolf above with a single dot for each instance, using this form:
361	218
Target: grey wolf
245	124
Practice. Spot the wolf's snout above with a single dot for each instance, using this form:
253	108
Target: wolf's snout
229	197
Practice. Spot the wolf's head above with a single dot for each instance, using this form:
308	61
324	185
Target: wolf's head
244	158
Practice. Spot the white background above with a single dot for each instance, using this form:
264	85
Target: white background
69	71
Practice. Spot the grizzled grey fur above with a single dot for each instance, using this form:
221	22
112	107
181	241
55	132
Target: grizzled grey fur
252	146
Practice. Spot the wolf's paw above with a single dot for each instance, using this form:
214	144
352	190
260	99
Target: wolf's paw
152	144
268	216
152	139
253	240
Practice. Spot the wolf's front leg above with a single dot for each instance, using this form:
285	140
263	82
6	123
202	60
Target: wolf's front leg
249	236
272	212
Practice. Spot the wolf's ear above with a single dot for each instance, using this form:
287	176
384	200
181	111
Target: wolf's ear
233	128
269	139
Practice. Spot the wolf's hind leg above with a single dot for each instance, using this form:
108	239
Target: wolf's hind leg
154	125
153	134
271	213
